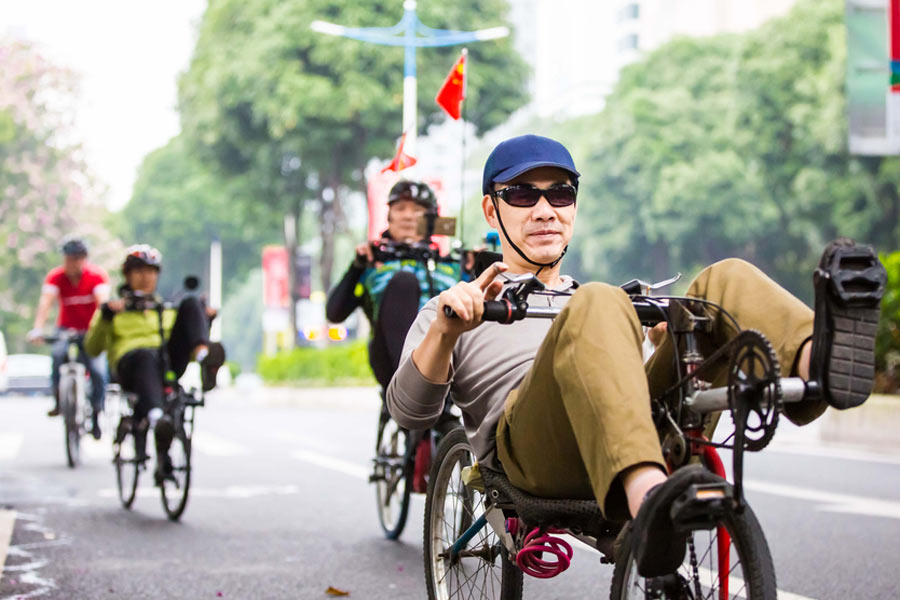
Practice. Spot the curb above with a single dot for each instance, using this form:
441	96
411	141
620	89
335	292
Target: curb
874	425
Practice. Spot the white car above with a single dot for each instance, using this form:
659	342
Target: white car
29	374
4	375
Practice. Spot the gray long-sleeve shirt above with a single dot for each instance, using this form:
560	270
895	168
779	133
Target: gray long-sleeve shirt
488	362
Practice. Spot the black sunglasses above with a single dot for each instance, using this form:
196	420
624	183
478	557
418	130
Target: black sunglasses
525	195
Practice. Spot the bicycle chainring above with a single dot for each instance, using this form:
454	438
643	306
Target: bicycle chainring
754	386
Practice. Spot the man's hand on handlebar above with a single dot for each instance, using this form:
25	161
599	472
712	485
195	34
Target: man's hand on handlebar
116	305
467	299
35	336
364	255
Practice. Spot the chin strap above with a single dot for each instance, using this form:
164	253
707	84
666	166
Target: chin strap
542	266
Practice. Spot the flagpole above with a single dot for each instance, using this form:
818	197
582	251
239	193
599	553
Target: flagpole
462	161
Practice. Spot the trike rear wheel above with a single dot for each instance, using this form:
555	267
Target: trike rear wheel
483	570
392	476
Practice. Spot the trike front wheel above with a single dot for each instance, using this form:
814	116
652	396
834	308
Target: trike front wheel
732	560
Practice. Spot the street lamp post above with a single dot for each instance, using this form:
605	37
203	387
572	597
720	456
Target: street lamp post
410	33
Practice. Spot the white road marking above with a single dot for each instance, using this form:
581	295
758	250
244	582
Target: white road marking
335	464
830	501
27	570
233	492
100	450
211	444
10	443
7	521
818	451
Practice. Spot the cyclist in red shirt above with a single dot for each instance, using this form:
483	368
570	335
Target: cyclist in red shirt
79	287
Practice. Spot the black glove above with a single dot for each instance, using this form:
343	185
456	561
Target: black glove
106	313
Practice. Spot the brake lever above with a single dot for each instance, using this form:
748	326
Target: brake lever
646	288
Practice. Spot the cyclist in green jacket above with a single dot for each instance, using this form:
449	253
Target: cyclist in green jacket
130	334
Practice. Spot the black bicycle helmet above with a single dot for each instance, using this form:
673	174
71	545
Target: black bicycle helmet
141	255
73	246
417	191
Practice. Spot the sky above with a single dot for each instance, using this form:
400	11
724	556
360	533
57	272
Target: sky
128	54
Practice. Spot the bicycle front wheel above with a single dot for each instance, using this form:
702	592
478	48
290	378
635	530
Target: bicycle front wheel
482	570
126	458
392	476
174	488
68	399
730	561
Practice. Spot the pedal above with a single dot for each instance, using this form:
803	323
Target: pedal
857	278
668	587
701	506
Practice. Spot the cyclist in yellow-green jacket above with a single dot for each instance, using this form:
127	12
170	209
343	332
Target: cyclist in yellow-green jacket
129	330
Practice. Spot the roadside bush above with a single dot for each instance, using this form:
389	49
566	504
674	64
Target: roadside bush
338	364
887	343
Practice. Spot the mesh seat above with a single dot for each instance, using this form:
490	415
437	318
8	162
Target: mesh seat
579	516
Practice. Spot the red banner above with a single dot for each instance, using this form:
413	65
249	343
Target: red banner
275	277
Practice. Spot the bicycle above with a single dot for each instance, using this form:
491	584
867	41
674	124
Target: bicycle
129	445
73	392
401	465
474	515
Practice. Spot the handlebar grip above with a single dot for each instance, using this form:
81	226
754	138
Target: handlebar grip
498	310
494	310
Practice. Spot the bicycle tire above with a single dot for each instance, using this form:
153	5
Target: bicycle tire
174	492
755	581
68	392
127	464
392	489
446	581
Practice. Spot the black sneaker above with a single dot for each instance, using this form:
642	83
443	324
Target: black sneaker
210	364
95	426
163	470
658	542
163	433
849	284
123	429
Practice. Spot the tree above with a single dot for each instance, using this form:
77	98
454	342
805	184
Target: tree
46	191
179	206
296	115
733	145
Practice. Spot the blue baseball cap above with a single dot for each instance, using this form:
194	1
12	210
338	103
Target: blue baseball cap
524	153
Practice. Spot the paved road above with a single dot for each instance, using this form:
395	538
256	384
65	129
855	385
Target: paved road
280	508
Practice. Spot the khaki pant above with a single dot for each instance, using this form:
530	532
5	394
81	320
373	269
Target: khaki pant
582	413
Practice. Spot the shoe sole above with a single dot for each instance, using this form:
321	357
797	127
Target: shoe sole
852	280
851	365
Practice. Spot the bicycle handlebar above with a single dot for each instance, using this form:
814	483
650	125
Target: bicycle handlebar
67	336
503	311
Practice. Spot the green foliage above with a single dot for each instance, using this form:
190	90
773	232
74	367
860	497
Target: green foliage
180	206
339	364
733	145
263	90
233	368
887	344
46	192
242	321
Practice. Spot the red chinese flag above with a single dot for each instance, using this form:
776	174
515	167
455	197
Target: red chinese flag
401	160
453	92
